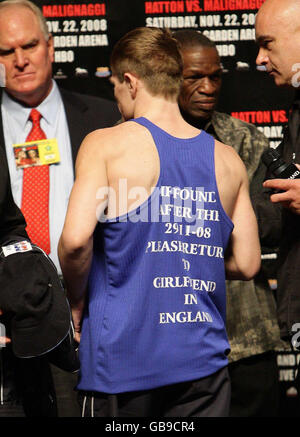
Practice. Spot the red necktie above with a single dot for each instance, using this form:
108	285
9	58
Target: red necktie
35	195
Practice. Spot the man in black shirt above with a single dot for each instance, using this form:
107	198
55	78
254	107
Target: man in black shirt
26	384
278	38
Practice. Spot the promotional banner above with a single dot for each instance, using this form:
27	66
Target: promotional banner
84	33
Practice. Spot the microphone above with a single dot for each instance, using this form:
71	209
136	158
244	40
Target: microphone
278	168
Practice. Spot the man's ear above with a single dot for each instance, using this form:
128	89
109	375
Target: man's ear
50	45
132	83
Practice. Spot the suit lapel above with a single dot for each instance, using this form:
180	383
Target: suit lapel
2	143
74	109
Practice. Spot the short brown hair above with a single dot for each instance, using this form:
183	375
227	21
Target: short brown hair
189	38
153	55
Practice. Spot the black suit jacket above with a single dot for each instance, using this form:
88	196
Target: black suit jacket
28	381
86	114
12	223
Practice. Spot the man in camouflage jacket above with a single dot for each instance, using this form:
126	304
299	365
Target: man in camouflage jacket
252	325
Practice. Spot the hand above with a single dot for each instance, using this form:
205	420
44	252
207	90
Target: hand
77	311
76	316
290	198
3	340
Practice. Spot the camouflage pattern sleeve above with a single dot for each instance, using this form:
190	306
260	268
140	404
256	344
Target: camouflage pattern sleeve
244	137
251	320
250	143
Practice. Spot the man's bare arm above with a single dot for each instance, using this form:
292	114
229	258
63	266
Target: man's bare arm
243	256
76	243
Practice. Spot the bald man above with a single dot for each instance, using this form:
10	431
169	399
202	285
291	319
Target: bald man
278	37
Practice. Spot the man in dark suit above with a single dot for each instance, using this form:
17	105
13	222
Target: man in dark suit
278	38
12	223
26	385
33	108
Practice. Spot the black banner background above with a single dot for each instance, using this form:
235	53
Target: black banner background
85	31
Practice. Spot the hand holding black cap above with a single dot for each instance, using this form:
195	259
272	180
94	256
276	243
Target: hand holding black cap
32	293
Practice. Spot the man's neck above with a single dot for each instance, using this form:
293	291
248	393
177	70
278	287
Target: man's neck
165	114
198	122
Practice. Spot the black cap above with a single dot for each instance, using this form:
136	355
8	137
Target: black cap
32	293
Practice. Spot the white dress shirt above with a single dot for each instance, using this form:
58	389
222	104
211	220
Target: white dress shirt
16	126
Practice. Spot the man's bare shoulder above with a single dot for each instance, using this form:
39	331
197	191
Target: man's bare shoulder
226	153
111	134
228	164
231	175
225	150
108	141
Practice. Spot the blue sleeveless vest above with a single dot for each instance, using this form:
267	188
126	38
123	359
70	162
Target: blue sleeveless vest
157	304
